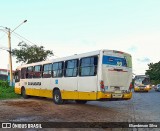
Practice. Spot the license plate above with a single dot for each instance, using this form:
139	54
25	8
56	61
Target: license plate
116	95
117	92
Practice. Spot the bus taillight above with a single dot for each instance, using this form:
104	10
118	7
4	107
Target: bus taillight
102	84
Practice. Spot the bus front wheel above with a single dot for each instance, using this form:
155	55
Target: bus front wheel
57	97
81	101
23	93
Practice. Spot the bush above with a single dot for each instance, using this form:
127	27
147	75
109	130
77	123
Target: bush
6	91
155	82
4	83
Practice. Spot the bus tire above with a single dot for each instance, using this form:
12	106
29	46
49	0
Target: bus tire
23	93
57	97
81	101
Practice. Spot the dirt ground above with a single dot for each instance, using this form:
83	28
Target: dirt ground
44	110
139	109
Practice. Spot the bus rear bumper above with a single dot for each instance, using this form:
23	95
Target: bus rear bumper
113	96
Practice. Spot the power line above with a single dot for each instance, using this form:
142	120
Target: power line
24	38
2	36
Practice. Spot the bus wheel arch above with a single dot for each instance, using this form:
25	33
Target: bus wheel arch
23	92
57	99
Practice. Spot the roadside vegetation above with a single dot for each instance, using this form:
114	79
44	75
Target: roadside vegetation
30	54
6	91
154	72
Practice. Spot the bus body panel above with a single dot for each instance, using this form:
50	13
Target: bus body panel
87	87
68	87
116	75
116	79
17	88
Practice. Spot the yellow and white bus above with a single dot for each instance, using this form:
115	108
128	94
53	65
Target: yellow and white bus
142	83
97	75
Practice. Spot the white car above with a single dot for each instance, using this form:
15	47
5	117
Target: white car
157	87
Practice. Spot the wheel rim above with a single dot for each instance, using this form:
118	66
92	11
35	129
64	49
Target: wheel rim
56	97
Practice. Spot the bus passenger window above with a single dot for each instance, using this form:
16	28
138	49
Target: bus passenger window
71	68
88	66
29	73
47	71
23	73
58	69
37	71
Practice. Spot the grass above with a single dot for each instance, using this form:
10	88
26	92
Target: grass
7	93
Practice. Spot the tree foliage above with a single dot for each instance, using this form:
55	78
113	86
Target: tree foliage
154	72
30	53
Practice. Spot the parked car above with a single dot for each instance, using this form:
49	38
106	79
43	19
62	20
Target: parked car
157	87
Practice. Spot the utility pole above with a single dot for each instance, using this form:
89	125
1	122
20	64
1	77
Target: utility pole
10	56
9	31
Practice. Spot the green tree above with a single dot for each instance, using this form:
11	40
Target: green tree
154	72
29	54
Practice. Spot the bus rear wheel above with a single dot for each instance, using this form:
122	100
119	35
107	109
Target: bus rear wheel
57	97
23	93
81	101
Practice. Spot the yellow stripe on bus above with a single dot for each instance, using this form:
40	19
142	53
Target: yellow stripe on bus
17	90
72	95
39	92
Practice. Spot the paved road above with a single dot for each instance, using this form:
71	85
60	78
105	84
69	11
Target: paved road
143	107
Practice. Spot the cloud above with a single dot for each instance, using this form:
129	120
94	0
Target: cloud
132	49
144	60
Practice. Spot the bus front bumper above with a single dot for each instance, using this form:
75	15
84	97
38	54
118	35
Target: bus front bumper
114	96
141	89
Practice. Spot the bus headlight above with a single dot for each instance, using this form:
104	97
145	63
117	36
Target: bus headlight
147	86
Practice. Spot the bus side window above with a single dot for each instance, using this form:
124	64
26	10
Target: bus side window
95	64
23	73
61	69
58	69
29	73
88	66
37	71
47	71
71	68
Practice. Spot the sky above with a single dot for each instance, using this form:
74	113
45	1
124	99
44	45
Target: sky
70	27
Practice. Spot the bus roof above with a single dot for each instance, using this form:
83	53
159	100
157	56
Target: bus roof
92	53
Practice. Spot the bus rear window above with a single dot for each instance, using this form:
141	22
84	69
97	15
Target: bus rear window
112	60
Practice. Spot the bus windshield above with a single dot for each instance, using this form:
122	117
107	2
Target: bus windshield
112	60
142	80
145	81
